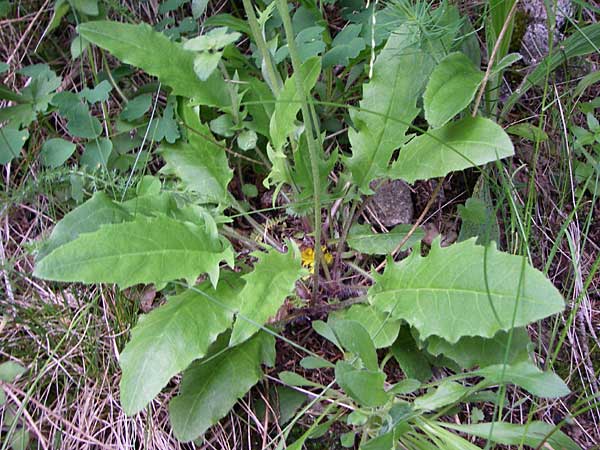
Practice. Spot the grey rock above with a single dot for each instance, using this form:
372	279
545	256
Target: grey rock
534	45
392	203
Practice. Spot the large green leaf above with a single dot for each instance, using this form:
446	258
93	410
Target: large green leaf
464	290
411	359
389	106
458	145
471	351
147	250
201	163
267	286
526	375
210	388
289	102
534	434
450	89
98	210
141	46
167	340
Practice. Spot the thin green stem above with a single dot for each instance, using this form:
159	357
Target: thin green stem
310	138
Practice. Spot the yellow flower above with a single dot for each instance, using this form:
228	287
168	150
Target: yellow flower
308	257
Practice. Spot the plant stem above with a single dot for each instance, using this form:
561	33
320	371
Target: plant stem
274	79
310	138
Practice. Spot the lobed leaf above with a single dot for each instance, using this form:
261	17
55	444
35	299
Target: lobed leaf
464	290
147	250
153	52
267	286
168	339
289	102
389	106
200	163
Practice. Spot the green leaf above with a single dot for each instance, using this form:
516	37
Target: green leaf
447	393
383	331
210	388
267	286
456	146
526	375
205	64
201	163
167	340
96	154
470	351
55	152
289	102
137	107
465	290
10	370
88	7
166	127
98	210
364	386
389	106
506	62
533	434
82	123
222	125
100	93
410	358
148	250
4	67
215	39
309	42
451	87
362	239
11	142
198	7
346	45
313	362
78	46
528	131
153	52
354	338
247	140
478	219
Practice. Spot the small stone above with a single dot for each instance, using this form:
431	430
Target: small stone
392	203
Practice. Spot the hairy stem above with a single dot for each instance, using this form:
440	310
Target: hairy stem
310	138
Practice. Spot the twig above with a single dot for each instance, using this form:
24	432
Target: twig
488	71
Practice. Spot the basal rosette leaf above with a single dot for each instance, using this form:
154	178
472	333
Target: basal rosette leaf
464	290
86	218
147	250
267	286
450	89
168	339
153	52
389	106
289	102
458	145
210	388
201	163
